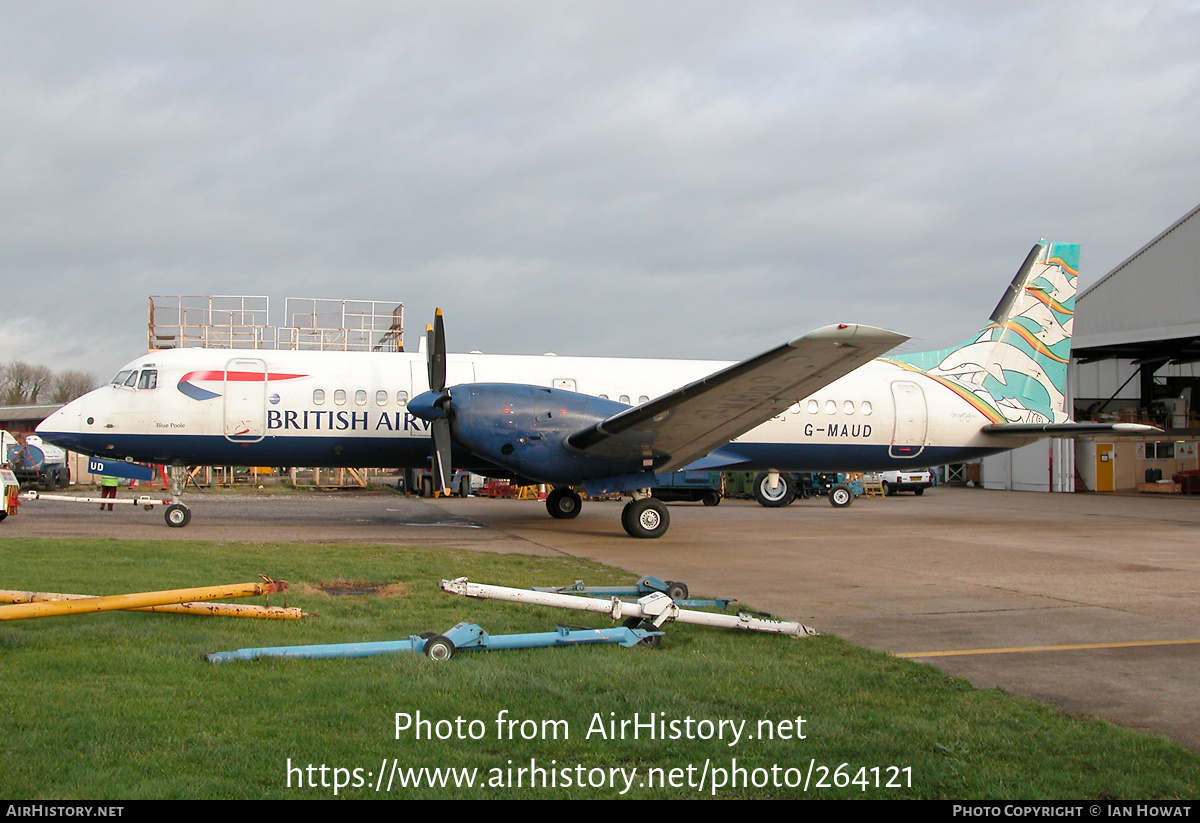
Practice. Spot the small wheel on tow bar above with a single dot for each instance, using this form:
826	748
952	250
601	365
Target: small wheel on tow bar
177	515
439	648
840	496
646	518
677	591
563	504
774	497
652	642
644	625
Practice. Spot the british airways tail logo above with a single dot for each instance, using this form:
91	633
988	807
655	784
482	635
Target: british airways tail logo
187	383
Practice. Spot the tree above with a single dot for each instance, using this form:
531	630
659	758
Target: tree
21	383
70	384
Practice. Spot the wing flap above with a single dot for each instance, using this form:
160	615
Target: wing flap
690	422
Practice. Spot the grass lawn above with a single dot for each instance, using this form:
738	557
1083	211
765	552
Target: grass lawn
120	705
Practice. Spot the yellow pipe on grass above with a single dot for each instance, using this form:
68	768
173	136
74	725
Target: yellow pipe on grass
138	600
211	609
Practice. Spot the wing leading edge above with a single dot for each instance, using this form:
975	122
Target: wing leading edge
690	422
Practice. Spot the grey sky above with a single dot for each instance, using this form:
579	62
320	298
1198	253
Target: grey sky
680	179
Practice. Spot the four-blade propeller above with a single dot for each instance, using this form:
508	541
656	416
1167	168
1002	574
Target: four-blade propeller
434	405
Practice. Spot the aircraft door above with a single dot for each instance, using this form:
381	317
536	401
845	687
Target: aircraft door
1106	474
912	420
245	400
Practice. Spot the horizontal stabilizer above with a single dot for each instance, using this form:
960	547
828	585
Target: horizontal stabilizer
1069	429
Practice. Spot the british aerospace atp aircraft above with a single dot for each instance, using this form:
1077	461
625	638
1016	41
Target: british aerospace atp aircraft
820	402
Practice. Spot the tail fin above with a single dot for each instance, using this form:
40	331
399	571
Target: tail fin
1015	369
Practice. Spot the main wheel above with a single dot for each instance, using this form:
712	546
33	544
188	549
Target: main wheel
645	518
177	515
563	504
774	497
840	496
439	648
711	498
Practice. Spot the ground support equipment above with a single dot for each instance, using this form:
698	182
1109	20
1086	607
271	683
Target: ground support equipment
119	602
177	515
647	585
655	609
440	647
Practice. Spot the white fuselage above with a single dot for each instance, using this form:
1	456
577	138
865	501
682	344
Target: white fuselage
206	406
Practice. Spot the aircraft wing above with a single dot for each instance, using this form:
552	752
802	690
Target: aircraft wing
690	422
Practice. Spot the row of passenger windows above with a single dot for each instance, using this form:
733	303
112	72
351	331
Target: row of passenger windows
360	397
831	407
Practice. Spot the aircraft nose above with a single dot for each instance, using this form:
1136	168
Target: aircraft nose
63	427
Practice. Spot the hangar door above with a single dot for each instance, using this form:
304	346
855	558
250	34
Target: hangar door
912	419
245	400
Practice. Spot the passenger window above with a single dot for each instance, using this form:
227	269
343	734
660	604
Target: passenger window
604	397
149	379
848	407
813	407
831	407
318	396
381	398
402	398
643	399
339	397
360	397
866	407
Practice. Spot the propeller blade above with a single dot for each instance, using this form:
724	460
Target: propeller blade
441	454
437	353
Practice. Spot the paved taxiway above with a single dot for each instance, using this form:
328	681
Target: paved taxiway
954	570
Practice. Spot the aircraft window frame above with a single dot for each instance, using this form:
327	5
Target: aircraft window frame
148	379
120	377
865	407
642	398
813	406
360	397
339	397
318	397
848	407
131	380
402	397
623	399
831	407
381	397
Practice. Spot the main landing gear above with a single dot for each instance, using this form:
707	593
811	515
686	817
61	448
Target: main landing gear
643	517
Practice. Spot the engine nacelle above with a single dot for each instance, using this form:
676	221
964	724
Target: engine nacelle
525	428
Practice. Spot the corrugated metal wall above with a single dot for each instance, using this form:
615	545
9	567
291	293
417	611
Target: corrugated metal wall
1152	295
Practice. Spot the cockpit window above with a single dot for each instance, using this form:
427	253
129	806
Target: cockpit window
131	380
119	380
149	379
